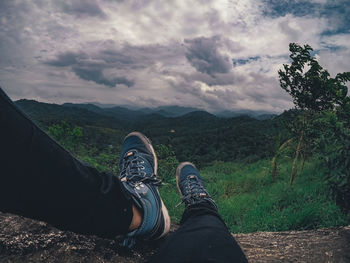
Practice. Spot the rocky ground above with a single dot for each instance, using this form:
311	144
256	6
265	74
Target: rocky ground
26	240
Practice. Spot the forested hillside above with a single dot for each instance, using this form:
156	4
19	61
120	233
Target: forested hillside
198	136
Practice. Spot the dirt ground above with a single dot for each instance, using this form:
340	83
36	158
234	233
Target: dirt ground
27	240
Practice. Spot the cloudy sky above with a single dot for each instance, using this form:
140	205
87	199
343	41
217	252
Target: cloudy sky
210	54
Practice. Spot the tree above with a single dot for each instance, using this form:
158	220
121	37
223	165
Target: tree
313	90
69	137
311	86
167	163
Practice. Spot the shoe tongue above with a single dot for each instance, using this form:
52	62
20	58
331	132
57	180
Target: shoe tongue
131	153
127	156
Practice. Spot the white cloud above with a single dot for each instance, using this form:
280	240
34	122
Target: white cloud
144	44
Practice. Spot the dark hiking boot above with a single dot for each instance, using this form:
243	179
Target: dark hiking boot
191	186
138	166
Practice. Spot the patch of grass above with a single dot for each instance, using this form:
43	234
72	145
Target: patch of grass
250	200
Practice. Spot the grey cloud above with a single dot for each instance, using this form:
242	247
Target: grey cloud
147	55
286	28
88	68
96	75
204	56
83	8
65	59
90	64
265	96
233	91
115	56
194	93
219	79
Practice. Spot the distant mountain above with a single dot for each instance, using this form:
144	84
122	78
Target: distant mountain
168	111
128	115
133	115
176	111
196	120
199	114
265	116
115	111
197	135
87	106
46	114
104	105
260	115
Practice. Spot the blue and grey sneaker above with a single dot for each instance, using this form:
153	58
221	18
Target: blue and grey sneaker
191	186
138	166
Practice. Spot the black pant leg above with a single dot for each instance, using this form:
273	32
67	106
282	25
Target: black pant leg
41	180
202	237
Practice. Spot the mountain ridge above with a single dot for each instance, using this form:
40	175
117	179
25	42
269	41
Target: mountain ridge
168	111
198	135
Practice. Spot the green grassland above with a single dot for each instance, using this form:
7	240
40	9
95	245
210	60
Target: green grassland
250	200
233	155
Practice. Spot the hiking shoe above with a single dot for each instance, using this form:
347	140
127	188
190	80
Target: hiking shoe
138	175
191	186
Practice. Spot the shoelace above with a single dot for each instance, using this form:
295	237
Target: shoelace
195	191
133	173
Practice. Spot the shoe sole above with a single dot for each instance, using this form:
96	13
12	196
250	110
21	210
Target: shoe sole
148	144
178	171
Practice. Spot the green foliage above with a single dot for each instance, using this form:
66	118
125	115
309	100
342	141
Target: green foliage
68	136
314	92
250	200
280	149
167	164
199	137
241	138
334	144
103	161
311	86
94	146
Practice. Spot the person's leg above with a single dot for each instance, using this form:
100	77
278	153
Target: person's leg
202	236
41	180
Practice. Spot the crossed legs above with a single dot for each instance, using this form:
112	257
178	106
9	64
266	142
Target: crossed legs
41	180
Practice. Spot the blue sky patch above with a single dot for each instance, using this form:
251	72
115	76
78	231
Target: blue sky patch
237	62
277	8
